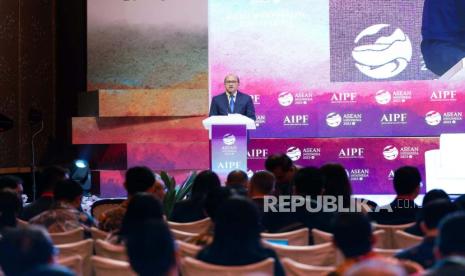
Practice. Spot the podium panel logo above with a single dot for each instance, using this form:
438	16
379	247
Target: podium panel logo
229	139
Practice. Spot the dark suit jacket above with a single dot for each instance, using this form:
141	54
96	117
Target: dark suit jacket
243	105
403	211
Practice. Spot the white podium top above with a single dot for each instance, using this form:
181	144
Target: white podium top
231	119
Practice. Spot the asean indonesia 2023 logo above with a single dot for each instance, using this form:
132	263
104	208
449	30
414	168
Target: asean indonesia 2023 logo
387	57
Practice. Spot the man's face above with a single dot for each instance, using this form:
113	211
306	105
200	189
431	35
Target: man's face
231	83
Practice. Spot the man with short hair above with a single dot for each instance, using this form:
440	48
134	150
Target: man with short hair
12	182
403	209
238	181
422	253
64	215
281	166
137	179
49	177
151	249
29	251
232	101
450	247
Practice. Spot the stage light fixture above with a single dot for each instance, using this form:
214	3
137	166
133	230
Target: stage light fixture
80	172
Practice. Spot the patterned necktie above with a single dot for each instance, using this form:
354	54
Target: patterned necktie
231	104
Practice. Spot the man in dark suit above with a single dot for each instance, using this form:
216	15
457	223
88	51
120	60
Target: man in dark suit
232	101
403	209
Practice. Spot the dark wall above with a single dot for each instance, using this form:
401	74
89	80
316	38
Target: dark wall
42	67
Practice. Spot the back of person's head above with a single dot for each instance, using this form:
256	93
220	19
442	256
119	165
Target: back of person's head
278	161
435	194
10	182
50	176
204	182
262	182
352	234
309	181
378	267
10	204
451	240
237	177
151	249
139	179
67	190
336	180
141	207
237	223
435	211
407	180
24	249
215	198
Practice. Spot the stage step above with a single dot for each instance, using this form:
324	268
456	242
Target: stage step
92	130
144	102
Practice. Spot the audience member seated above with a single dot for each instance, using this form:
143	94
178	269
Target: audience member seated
433	212
142	207
281	166
429	197
213	201
29	251
137	180
239	181
151	249
353	237
49	177
262	184
309	182
193	209
10	204
337	184
64	215
450	247
237	237
403	209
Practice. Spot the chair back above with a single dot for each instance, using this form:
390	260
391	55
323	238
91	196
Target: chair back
71	236
73	262
320	236
108	267
386	252
194	267
187	249
390	242
198	226
102	205
98	234
296	237
406	240
111	251
319	255
82	248
293	268
182	236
